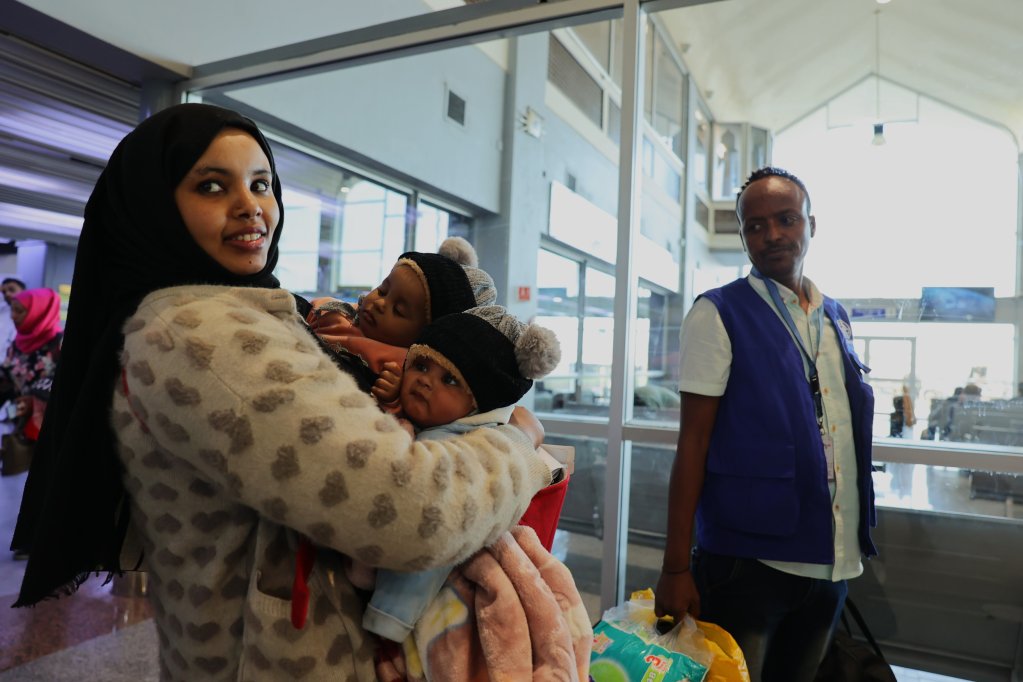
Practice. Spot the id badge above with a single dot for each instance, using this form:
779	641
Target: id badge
829	456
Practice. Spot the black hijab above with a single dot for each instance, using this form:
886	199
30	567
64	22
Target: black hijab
74	511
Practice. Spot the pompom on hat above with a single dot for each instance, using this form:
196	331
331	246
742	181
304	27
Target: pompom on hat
451	278
496	354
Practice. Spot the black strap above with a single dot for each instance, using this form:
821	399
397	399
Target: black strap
855	612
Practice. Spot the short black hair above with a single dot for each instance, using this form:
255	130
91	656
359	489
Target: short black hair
17	281
773	171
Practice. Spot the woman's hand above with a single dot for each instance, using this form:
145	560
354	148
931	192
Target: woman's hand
527	422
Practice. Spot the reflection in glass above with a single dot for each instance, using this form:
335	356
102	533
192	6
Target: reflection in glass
701	150
727	160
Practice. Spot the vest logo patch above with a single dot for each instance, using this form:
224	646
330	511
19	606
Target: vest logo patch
846	330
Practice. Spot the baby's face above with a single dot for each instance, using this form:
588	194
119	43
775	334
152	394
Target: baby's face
431	395
394	312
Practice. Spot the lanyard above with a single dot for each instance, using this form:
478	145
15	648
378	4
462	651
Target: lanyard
814	377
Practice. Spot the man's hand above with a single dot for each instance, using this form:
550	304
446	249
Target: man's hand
527	422
388	384
676	596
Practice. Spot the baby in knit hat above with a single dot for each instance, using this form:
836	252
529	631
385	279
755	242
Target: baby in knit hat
372	338
465	371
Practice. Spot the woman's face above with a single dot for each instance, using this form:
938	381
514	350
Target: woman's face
18	313
228	204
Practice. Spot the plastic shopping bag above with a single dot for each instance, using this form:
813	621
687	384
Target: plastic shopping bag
729	664
627	648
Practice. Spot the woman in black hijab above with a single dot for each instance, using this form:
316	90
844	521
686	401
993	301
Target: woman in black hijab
230	430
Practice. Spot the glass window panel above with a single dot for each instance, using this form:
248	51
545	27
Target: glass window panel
701	150
558	309
597	39
668	113
575	82
616	51
759	139
728	150
656	335
649	71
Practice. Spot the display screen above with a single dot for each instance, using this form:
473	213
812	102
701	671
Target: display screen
957	304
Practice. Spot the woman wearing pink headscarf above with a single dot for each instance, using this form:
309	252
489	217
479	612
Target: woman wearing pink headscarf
32	358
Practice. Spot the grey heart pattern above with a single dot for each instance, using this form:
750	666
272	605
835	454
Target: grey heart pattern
156	460
169	558
179	660
276	508
312	429
199	594
203	633
257	658
401	473
334	490
369	554
356	400
175	590
251	342
297	668
209	522
358	452
215	459
199	353
176	432
286	464
143	372
339	650
161	339
237	427
286	631
163	492
204	555
201	488
322	533
272	399
189	319
180	394
383	512
280	372
211	665
167	524
432	520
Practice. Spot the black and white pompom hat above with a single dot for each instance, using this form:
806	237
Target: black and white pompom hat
494	353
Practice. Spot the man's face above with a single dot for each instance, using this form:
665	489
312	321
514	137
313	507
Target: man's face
775	227
10	290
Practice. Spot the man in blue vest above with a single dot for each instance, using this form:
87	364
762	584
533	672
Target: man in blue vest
773	457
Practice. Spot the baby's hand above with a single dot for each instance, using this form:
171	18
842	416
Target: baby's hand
388	384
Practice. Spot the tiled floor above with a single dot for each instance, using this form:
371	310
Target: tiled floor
90	636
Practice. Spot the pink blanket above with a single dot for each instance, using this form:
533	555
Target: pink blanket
511	612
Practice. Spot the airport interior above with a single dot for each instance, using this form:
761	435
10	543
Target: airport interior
591	151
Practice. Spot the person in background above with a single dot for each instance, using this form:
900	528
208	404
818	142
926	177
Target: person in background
196	421
32	357
8	288
774	449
